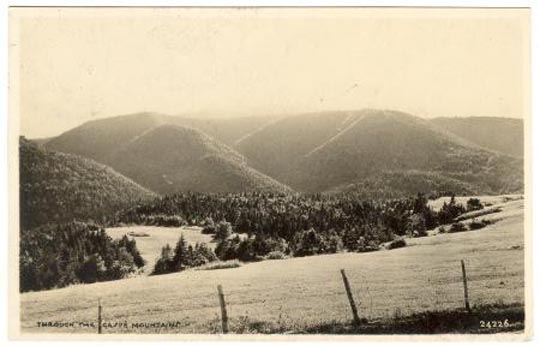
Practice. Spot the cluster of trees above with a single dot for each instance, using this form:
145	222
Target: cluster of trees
58	255
294	224
182	257
449	211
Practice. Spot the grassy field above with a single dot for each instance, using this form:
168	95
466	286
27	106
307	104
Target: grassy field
157	237
306	294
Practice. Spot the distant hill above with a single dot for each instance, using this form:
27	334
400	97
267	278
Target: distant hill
504	135
171	159
323	151
158	153
313	152
95	139
99	139
58	187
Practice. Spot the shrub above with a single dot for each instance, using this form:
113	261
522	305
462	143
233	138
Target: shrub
474	225
276	255
395	244
457	227
487	222
220	265
442	229
474	204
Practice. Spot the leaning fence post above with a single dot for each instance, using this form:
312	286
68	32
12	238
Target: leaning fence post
99	316
465	288
224	319
350	296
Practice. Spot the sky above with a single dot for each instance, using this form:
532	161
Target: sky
69	66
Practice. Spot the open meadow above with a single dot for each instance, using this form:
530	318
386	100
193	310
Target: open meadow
298	294
150	239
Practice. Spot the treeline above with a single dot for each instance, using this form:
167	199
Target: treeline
294	224
59	255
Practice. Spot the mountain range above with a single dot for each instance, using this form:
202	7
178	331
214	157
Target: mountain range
371	152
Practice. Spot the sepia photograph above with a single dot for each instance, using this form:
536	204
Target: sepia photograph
270	173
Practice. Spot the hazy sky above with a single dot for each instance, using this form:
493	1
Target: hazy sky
75	65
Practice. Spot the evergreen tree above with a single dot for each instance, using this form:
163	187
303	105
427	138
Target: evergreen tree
165	262
181	255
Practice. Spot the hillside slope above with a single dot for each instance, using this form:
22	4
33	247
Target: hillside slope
58	187
395	184
156	151
319	152
170	159
504	135
98	138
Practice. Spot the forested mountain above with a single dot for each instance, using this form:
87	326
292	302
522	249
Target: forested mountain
58	187
322	151
97	139
170	159
504	135
158	153
395	184
314	152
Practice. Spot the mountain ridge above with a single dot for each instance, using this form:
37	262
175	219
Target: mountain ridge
309	152
504	135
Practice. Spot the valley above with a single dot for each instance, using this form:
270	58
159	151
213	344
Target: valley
286	203
298	294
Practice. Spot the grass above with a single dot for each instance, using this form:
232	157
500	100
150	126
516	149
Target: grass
484	319
437	322
306	294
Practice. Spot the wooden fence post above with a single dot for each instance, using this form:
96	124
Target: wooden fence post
224	319
465	288
351	298
99	316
